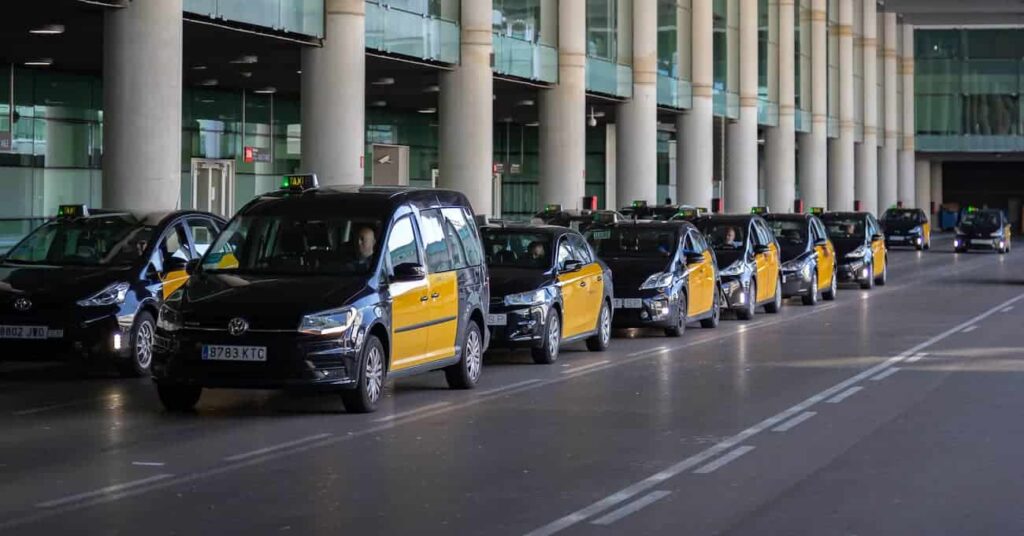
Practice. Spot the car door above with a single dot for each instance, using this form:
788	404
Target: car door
169	258
926	227
444	287
593	275
698	285
878	251
574	292
826	254
410	300
765	280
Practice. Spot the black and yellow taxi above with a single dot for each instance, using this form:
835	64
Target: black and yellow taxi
87	285
665	275
749	261
987	228
808	257
861	255
577	220
547	289
331	289
907	227
641	210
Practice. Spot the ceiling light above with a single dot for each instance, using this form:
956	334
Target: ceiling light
379	104
209	82
265	91
39	62
428	110
207	101
525	102
533	124
246	74
246	60
299	71
386	81
48	29
432	89
198	67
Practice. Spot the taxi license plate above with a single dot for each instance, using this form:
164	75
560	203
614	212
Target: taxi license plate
213	352
24	332
628	303
897	238
497	320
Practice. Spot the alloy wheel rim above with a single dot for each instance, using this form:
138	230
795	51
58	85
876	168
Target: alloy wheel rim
606	325
814	287
374	374
144	345
553	337
473	355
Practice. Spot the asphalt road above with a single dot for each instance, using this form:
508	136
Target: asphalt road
890	411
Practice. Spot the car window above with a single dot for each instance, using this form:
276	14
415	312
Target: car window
402	244
439	259
466	230
203	234
455	248
582	250
172	245
564	253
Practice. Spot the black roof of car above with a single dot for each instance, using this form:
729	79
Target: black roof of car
647	224
553	230
383	198
836	215
787	216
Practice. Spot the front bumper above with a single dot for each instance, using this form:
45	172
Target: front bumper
978	242
736	291
293	361
854	271
71	335
909	240
795	284
523	326
651	310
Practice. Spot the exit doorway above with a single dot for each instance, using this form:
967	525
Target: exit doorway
213	186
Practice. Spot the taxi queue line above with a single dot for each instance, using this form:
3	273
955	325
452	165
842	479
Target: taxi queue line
187	301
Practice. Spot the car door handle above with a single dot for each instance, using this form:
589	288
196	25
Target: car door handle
583	283
599	279
424	298
435	295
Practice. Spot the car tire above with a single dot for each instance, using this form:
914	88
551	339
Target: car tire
600	341
884	278
712	321
369	389
680	327
179	398
547	353
830	294
811	298
141	342
776	304
465	373
747	313
869	283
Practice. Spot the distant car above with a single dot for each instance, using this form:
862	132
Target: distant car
665	275
749	261
640	210
984	229
907	227
808	257
88	285
547	289
577	220
860	247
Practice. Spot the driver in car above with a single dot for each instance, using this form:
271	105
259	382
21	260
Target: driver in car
365	243
730	238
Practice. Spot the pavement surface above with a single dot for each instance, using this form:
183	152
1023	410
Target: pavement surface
889	411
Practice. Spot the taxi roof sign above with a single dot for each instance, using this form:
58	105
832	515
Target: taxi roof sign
553	208
640	203
689	212
72	211
300	182
817	211
759	210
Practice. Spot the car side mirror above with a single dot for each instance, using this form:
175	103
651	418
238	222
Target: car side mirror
692	257
192	266
877	237
821	243
761	250
571	266
409	271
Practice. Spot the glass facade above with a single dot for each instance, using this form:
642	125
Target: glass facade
526	39
610	47
858	72
726	62
833	68
305	17
423	29
802	64
674	54
767	63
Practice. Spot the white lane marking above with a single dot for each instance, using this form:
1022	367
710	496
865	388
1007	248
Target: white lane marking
724	460
969	329
102	491
886	374
412	412
656	479
794	422
273	448
648	351
632	508
508	387
845	394
1008	309
586	367
917	357
149	464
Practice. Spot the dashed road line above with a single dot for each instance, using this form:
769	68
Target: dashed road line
632	508
794	422
969	329
845	394
885	374
274	448
109	490
917	357
1008	309
724	460
586	367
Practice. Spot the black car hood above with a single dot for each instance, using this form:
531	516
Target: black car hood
59	284
267	302
982	230
631	273
728	256
509	280
846	245
899	226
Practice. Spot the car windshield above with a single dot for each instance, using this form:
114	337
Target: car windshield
900	216
845	228
789	232
982	219
296	244
630	241
725	236
513	248
114	240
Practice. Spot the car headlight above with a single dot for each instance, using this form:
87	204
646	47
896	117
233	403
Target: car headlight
858	253
917	230
533	297
169	319
112	295
801	266
657	282
333	322
732	270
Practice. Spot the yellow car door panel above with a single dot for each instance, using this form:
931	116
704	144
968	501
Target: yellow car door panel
574	303
594	277
701	286
173	281
444	304
410	316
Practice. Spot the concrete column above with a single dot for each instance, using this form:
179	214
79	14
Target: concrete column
563	113
637	121
741	179
695	148
334	96
814	145
888	168
906	154
936	191
142	59
841	183
866	181
923	184
780	141
466	106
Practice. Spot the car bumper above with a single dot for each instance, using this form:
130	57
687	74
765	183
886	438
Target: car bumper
904	240
521	326
645	312
853	272
70	336
794	284
962	242
735	291
293	361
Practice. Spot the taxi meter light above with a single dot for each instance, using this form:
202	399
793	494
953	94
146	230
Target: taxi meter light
817	211
639	204
299	183
759	210
553	208
72	211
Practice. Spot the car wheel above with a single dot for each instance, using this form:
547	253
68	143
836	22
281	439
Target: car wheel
370	386
179	398
830	294
547	353
747	312
599	341
884	278
680	327
869	283
141	341
811	298
716	312
465	373
776	304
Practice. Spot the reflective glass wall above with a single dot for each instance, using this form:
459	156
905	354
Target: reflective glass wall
526	39
726	62
802	64
304	17
767	62
424	29
674	54
610	47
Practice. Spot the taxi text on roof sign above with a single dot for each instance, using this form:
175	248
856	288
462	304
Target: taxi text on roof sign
299	182
72	211
640	204
553	208
689	213
759	210
817	211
